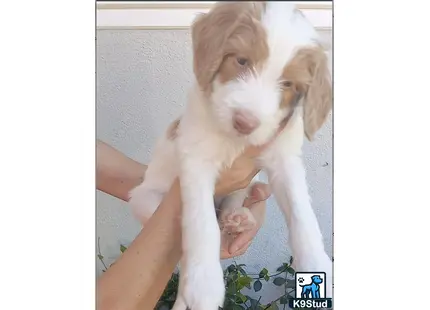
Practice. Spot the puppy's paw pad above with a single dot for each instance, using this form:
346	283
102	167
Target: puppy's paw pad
238	221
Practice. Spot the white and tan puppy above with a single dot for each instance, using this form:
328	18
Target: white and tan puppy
256	65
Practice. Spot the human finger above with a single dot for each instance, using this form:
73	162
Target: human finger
259	192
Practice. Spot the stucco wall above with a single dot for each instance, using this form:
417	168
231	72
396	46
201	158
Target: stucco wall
142	80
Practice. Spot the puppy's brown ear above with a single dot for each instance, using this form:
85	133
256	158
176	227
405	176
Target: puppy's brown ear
318	100
210	33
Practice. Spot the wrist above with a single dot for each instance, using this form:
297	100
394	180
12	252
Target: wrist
117	174
119	183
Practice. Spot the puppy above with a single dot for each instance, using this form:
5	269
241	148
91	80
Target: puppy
256	65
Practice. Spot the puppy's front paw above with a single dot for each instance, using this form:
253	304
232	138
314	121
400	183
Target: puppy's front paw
202	286
237	221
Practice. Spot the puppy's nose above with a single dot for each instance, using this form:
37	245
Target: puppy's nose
245	122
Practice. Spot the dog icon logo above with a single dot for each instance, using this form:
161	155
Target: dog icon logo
310	285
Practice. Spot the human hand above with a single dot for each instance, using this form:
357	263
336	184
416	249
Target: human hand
231	245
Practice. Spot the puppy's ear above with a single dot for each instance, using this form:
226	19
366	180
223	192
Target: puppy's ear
210	33
318	99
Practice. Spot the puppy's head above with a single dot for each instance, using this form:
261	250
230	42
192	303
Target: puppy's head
317	279
257	62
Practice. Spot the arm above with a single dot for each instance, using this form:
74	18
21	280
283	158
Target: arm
116	174
139	276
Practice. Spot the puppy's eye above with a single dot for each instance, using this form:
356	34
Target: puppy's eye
287	84
242	61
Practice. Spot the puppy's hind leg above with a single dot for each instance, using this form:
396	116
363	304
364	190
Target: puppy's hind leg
306	240
287	178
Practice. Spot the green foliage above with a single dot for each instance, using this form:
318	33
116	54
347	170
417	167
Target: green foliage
237	280
169	295
257	285
279	281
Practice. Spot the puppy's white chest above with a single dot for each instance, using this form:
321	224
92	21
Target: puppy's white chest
211	148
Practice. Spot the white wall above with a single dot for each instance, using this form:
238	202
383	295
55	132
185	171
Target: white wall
142	79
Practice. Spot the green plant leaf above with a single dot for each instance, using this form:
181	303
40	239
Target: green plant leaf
235	277
122	248
229	295
228	304
267	278
263	272
100	256
291	270
281	268
257	285
237	307
231	268
239	287
283	300
241	270
245	280
232	288
242	298
237	300
279	281
232	277
254	302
